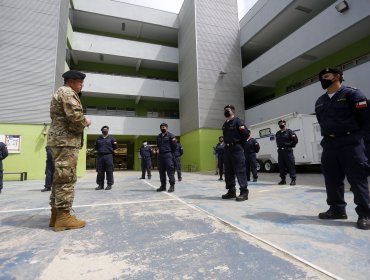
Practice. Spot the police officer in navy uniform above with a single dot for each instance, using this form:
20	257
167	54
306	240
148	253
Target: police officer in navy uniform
367	135
146	160
105	145
342	113
179	151
235	135
166	147
219	150
286	140
3	155
251	148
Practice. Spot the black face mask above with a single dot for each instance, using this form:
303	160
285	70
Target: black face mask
221	140
326	83
227	114
104	132
281	126
163	130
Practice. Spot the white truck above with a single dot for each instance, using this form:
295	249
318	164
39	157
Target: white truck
308	150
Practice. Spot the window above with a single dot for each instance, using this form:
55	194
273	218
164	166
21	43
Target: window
266	132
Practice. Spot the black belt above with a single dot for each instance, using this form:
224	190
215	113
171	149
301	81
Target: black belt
281	149
232	144
341	134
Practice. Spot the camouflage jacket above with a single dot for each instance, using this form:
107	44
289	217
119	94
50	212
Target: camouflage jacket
67	119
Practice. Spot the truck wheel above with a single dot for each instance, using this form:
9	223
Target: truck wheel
268	166
259	165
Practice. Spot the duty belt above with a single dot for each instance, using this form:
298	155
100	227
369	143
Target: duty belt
232	144
341	134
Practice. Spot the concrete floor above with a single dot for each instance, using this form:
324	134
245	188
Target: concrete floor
133	232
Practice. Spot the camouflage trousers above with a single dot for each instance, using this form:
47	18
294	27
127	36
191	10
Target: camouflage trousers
65	177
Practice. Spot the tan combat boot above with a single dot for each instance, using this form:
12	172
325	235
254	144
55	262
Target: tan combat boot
53	217
65	220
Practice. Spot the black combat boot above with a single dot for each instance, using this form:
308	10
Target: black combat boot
161	189
171	189
229	194
46	189
100	187
293	183
149	177
282	182
363	222
243	195
255	179
333	215
109	187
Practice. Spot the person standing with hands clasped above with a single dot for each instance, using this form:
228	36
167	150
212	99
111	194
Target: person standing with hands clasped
286	140
251	148
146	160
219	150
166	144
177	154
105	146
64	139
343	115
235	135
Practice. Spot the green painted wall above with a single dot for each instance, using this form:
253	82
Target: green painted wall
33	155
198	149
349	53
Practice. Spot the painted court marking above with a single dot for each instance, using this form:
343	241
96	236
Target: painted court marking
212	216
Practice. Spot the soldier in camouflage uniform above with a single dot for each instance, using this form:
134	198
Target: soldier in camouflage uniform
64	139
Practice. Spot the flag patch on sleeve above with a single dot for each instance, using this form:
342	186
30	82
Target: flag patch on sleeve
361	104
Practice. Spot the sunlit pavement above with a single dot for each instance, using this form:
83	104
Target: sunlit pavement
134	232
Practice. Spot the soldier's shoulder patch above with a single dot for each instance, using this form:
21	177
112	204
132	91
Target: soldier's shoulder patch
242	128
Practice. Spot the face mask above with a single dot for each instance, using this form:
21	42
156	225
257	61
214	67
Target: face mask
326	83
163	130
221	140
104	132
281	126
145	143
227	114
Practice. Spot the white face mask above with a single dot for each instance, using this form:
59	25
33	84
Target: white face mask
145	143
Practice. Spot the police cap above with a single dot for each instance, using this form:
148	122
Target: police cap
330	70
105	126
163	124
231	107
281	121
73	75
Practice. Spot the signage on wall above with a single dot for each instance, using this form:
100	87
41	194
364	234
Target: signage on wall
12	142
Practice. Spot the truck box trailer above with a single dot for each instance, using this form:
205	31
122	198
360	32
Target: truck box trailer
308	150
